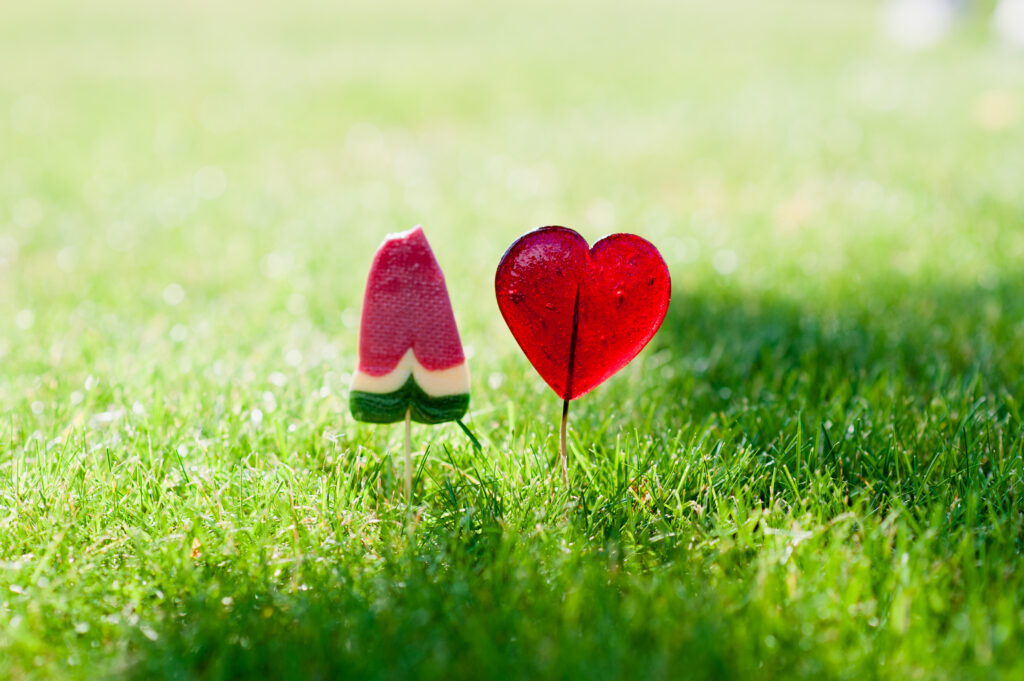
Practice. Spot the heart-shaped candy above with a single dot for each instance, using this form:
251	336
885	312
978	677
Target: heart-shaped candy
580	314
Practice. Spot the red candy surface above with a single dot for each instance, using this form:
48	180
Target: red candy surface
406	306
616	295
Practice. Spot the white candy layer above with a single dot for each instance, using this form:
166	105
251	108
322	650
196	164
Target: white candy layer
451	381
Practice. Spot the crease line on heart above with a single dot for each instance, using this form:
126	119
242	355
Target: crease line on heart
572	344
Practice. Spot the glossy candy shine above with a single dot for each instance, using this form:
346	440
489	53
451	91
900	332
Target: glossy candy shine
617	292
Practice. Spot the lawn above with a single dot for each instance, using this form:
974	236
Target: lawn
814	471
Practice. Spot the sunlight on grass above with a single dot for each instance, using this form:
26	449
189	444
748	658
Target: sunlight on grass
814	471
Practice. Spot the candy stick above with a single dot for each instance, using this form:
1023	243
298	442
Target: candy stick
411	363
408	453
561	442
581	313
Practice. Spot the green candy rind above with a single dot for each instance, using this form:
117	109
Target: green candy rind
391	407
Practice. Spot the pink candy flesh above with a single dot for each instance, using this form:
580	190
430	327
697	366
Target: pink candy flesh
406	305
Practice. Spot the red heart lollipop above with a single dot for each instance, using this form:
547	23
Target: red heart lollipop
580	314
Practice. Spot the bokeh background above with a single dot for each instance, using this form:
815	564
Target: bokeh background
190	197
203	163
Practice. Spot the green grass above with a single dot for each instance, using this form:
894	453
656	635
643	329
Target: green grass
814	471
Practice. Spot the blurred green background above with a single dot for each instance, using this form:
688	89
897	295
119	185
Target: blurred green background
190	196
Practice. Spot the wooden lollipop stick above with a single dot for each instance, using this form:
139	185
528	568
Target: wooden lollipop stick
408	454
563	450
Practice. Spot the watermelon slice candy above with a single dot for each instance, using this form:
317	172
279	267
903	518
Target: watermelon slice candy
410	355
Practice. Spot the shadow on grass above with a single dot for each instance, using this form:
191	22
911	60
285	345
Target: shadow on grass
508	619
905	399
901	402
737	348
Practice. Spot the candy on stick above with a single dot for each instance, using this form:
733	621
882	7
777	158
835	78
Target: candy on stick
411	363
580	314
